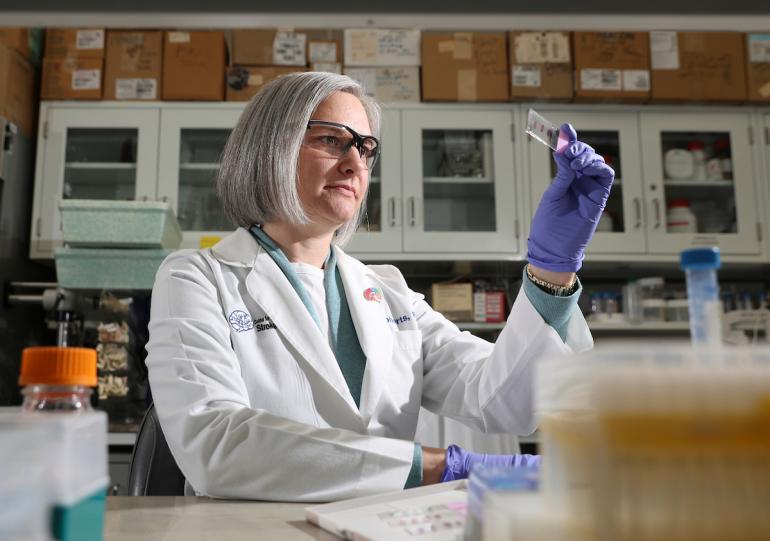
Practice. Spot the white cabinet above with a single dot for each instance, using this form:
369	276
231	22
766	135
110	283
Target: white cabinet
698	161
191	143
445	184
702	161
90	151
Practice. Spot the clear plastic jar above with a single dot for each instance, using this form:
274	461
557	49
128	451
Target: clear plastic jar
57	379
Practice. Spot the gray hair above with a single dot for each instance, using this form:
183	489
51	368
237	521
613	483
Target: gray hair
257	179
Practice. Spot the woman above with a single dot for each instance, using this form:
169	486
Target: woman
284	369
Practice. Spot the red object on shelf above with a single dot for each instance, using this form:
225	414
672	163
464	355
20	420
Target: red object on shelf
679	203
696	145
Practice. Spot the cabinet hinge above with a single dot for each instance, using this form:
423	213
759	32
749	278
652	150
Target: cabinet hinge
751	135
45	129
513	132
759	231
767	136
37	226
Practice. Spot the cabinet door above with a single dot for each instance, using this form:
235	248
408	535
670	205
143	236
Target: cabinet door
458	181
380	230
191	145
699	182
616	137
92	153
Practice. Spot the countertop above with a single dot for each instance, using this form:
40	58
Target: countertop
183	518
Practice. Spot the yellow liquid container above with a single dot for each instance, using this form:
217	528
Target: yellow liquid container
651	444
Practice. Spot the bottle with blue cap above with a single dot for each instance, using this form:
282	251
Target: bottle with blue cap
700	267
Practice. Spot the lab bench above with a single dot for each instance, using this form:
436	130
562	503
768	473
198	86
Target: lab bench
181	518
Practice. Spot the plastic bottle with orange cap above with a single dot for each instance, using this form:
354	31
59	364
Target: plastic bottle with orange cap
57	379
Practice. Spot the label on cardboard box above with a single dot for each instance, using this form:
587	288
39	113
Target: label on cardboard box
136	89
467	85
330	67
322	51
636	80
541	48
381	47
600	79
89	39
179	37
525	76
86	79
759	48
388	84
462	48
664	51
289	49
255	79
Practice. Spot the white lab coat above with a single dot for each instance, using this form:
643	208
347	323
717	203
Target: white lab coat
254	405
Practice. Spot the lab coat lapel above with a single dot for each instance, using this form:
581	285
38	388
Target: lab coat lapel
369	319
269	287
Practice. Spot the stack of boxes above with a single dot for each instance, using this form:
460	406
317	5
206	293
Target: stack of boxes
73	64
385	62
401	65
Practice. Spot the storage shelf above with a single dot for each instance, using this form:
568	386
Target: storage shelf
457	180
100	165
199	166
699	183
647	326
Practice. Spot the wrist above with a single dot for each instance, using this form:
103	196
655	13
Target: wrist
433	464
553	278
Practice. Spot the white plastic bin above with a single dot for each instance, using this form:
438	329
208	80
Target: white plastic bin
119	224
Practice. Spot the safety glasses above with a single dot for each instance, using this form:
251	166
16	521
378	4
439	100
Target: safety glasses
335	140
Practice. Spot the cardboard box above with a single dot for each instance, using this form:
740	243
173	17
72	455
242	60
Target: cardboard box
758	67
74	43
541	65
388	85
133	65
454	301
329	67
71	79
612	66
245	81
17	39
269	47
366	47
489	306
698	66
17	90
464	66
193	63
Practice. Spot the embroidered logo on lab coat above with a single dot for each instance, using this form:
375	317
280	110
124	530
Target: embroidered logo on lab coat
240	321
373	294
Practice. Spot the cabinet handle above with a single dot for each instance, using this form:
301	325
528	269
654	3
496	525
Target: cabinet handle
392	211
638	211
412	210
656	204
164	198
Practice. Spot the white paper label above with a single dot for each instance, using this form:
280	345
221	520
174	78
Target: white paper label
541	47
136	89
388	84
759	48
256	79
89	39
179	37
600	79
525	76
329	67
636	80
377	47
664	51
86	79
289	49
322	51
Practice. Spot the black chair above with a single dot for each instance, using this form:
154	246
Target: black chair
153	470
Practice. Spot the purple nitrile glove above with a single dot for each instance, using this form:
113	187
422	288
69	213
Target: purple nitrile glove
459	462
570	208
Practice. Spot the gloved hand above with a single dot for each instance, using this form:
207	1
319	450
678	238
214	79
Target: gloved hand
459	462
570	208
